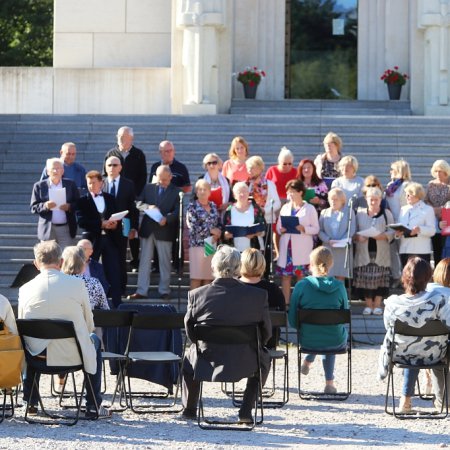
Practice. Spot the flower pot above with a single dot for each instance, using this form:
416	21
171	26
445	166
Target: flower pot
394	91
250	91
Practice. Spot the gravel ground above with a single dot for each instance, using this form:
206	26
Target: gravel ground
358	422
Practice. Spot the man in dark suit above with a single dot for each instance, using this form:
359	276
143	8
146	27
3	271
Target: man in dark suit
226	301
123	190
160	200
93	213
56	222
134	168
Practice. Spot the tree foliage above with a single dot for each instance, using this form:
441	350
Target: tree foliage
26	32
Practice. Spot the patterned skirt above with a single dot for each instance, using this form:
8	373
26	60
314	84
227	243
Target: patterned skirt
371	277
291	270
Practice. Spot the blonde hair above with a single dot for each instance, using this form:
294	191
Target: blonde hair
209	156
415	189
333	137
339	193
202	182
440	164
255	161
402	167
441	274
237	140
348	160
253	263
322	259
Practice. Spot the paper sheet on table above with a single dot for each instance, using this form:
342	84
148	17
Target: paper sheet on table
119	215
369	232
58	196
154	214
341	243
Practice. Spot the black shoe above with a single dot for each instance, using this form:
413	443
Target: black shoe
245	419
164	297
190	414
32	410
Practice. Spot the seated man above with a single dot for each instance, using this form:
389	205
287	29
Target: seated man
55	295
226	301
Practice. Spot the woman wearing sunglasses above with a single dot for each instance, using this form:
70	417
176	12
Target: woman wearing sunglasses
220	188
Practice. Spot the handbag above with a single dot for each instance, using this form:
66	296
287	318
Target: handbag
11	358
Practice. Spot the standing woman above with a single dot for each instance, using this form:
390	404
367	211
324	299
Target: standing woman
419	218
438	194
243	213
327	163
283	172
306	172
220	187
203	221
295	248
349	182
334	222
372	256
234	169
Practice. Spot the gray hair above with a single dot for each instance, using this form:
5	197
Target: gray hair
73	260
226	262
51	161
163	168
284	154
128	130
47	253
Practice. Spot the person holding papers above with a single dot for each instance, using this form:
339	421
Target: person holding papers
54	199
334	224
297	225
244	222
372	256
419	221
203	221
160	203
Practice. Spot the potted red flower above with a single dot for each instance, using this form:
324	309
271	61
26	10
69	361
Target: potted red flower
250	78
394	79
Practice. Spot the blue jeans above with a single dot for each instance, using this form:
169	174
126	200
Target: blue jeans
41	364
328	362
409	381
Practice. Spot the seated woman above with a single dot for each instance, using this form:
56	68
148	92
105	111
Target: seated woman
320	291
243	213
415	307
7	315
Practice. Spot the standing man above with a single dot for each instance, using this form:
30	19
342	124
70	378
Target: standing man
159	231
122	190
55	295
226	301
93	213
134	168
72	170
55	222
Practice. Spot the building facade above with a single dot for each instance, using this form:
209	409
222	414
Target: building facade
179	56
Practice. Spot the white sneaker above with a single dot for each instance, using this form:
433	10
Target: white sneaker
378	312
367	311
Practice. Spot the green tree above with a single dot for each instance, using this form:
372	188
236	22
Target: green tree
26	32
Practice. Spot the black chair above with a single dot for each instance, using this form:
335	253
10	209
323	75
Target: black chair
53	329
324	317
432	328
170	322
228	336
111	321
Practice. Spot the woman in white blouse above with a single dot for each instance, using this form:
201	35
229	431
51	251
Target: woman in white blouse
419	218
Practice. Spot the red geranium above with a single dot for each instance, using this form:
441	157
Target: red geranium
251	76
394	76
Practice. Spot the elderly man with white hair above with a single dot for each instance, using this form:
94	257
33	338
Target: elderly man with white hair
226	301
57	220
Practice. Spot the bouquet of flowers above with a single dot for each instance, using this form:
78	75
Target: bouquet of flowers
394	76
251	76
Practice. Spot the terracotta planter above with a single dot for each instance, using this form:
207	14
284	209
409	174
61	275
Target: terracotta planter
394	91
250	91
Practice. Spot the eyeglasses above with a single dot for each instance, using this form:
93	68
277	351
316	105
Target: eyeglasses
112	165
287	164
371	185
212	163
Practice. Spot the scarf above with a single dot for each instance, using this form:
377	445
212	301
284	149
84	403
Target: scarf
223	184
393	186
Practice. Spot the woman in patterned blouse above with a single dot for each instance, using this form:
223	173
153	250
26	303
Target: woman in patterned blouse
203	221
327	162
438	194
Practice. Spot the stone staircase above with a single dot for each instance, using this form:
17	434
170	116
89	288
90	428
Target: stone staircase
376	133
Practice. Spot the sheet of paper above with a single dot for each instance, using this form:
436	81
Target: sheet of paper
341	243
154	214
119	215
369	232
58	196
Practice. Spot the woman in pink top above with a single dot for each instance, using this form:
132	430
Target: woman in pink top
234	169
283	172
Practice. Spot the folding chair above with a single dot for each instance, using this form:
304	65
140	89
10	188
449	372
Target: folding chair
110	321
7	407
170	322
228	336
52	329
324	317
433	328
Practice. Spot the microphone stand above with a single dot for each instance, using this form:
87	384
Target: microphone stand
180	248
349	247
271	271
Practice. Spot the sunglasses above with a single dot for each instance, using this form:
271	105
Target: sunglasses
287	164
371	185
112	165
212	163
